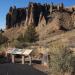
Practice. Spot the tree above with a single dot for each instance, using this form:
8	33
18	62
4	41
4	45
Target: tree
3	39
29	36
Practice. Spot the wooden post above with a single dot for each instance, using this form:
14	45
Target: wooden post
30	60
23	59
13	58
43	59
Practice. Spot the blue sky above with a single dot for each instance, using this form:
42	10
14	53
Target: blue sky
5	5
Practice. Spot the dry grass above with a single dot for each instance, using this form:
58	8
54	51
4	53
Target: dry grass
60	58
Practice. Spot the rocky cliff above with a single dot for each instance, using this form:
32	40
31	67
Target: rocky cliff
48	19
34	13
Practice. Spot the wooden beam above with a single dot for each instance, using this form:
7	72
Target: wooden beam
45	59
30	60
23	61
13	58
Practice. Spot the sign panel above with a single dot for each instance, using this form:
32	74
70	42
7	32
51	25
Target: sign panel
17	51
27	52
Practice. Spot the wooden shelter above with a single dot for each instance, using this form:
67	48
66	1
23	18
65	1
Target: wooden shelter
22	52
26	55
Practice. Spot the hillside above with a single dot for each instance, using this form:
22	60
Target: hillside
51	22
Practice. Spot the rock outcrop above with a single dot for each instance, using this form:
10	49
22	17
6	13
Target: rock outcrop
41	14
30	14
14	16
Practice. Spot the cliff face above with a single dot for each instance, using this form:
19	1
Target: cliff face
32	14
15	16
48	19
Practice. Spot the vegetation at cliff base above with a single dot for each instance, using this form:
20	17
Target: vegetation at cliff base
29	36
3	39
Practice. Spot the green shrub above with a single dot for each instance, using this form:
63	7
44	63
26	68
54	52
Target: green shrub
18	44
3	39
29	36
